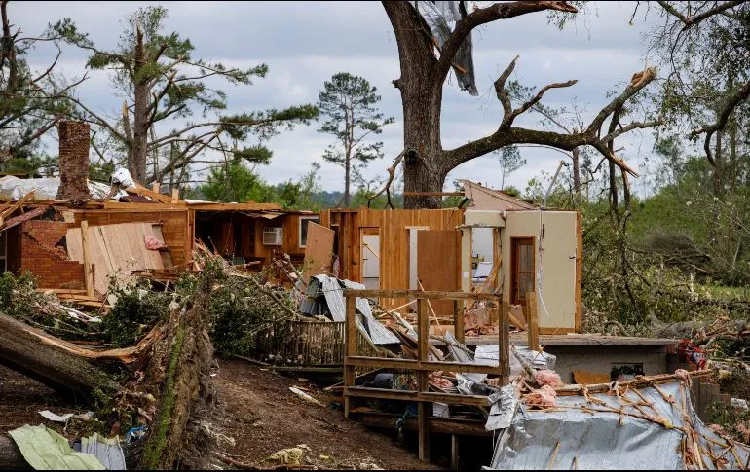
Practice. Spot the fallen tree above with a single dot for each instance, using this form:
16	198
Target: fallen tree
10	456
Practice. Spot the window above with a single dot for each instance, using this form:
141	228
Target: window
3	251
304	222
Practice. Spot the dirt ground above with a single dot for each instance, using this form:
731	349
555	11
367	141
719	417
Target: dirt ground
256	416
21	400
259	412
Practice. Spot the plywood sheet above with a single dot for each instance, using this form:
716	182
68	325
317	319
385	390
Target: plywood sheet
318	251
437	265
117	250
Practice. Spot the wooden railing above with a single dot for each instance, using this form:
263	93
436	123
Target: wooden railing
422	365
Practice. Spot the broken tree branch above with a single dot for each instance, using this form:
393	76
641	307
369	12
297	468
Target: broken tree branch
387	186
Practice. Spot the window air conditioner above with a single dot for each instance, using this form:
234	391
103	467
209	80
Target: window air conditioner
272	236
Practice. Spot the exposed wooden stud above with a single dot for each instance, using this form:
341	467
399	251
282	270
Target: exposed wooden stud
88	266
156	187
533	321
424	431
175	195
351	349
458	321
455	458
431	294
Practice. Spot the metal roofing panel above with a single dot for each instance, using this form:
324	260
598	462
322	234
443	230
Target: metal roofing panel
596	439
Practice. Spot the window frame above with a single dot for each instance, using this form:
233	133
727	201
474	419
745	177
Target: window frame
302	218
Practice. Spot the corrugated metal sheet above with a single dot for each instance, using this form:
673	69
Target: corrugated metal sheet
325	296
596	440
108	451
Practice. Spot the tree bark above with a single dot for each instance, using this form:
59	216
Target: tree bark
22	350
138	148
10	456
181	362
426	163
577	174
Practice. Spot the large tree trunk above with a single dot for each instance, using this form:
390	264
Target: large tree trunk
22	349
138	148
421	98
181	363
10	456
577	174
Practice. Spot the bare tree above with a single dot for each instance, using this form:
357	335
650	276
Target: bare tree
30	103
426	163
164	82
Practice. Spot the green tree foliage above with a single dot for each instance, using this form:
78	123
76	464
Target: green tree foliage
163	84
235	182
349	105
510	161
31	102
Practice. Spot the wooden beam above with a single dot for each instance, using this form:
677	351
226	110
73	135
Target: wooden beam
458	322
175	195
428	366
454	453
433	194
351	349
144	192
423	420
156	187
431	294
88	266
437	425
533	321
412	395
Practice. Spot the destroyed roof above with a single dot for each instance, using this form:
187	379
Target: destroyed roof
326	295
14	188
482	197
647	425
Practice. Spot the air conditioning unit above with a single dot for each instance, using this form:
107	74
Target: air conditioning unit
272	236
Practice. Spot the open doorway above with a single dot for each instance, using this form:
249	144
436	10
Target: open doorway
482	255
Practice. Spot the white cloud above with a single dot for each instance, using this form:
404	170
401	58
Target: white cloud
304	43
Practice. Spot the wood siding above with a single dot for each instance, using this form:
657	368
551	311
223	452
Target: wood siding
174	226
394	240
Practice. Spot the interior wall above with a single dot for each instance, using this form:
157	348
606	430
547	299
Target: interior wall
557	302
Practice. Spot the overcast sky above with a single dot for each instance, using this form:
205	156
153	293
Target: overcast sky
305	43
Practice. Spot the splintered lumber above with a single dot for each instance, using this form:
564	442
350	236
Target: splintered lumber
49	360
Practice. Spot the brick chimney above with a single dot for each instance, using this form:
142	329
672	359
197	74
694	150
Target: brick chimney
73	160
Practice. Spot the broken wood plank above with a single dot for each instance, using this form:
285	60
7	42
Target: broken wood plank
88	266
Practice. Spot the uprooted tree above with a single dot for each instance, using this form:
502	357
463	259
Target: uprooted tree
426	163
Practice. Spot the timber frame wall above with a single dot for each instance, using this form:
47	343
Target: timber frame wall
392	226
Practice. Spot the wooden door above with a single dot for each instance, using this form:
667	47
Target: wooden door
438	262
522	269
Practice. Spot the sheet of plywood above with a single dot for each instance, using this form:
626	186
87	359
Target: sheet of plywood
116	249
318	251
437	265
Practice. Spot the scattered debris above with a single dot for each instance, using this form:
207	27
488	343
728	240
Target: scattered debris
305	396
44	449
